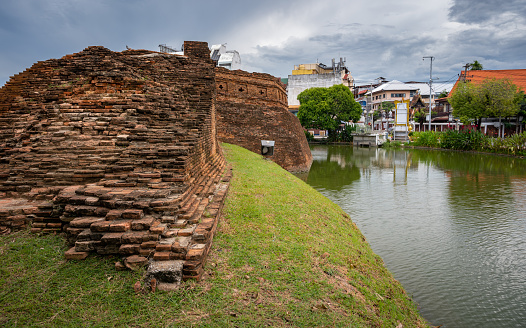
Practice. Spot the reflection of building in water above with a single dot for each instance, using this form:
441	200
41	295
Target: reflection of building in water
401	164
367	159
364	157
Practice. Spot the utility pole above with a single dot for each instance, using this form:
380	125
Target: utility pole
430	86
371	107
466	71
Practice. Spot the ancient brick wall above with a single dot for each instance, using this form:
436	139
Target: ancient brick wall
118	150
251	107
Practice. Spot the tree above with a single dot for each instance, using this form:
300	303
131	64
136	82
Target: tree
443	94
327	108
420	116
500	98
476	66
387	106
492	98
466	103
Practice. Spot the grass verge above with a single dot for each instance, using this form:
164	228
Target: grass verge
284	255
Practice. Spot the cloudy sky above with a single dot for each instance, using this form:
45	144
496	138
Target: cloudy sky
376	37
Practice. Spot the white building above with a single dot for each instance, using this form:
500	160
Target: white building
228	59
317	75
398	91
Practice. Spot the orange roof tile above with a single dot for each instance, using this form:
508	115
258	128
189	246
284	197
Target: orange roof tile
517	76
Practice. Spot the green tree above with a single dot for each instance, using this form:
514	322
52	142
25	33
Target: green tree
443	94
326	108
500	98
492	98
387	106
466	103
476	66
420	116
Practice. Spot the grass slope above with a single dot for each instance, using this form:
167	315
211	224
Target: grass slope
284	255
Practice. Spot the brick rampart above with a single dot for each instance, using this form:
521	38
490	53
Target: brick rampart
118	150
251	107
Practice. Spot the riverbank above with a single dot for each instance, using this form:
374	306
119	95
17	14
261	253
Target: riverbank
283	255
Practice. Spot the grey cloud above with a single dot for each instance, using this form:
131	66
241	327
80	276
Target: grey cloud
368	55
33	30
480	11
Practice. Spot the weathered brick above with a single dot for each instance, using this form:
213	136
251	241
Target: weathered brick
135	237
161	256
128	249
100	226
142	224
84	222
114	215
112	238
120	226
72	254
132	214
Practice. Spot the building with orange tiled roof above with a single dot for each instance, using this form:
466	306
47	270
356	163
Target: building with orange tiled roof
517	76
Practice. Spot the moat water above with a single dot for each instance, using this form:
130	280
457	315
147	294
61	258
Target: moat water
450	226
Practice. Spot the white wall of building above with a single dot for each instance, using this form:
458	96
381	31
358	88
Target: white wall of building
298	83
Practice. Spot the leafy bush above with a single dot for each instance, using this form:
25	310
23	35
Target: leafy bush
426	139
308	135
516	144
343	134
462	140
471	140
390	144
346	133
513	145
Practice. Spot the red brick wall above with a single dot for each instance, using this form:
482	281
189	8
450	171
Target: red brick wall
102	115
251	107
118	150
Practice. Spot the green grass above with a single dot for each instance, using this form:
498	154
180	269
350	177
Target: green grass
283	256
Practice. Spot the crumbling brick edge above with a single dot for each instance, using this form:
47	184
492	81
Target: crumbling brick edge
166	267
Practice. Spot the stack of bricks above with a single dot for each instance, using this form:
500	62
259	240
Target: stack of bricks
119	150
251	107
17	214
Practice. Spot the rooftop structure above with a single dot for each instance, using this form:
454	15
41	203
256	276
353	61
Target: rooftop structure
228	59
517	76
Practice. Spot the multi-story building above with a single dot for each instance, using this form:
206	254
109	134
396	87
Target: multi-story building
307	76
392	91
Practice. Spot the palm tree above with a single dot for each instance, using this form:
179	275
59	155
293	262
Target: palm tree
476	66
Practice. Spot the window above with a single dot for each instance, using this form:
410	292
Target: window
384	95
397	95
412	94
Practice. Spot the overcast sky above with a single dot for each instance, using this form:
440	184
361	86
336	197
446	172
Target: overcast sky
377	37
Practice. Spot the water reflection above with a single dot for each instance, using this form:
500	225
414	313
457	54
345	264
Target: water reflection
450	226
